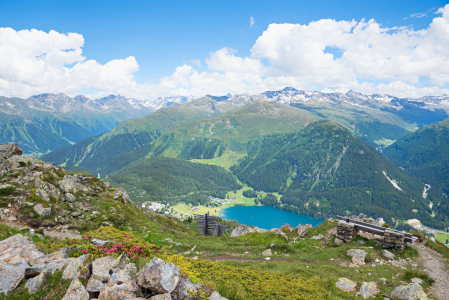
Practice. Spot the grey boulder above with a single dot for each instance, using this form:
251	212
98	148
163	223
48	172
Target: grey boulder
159	276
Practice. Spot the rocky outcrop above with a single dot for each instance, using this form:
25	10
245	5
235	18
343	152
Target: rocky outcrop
78	267
300	229
8	150
243	229
288	226
121	193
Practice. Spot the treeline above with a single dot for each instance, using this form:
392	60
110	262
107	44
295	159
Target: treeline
171	180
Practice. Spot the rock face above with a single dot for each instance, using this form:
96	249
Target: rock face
76	291
16	249
161	297
412	291
8	150
346	285
243	229
358	256
11	276
288	226
35	283
159	277
369	289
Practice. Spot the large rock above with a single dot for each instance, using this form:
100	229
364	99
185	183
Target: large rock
107	271
11	276
76	291
346	285
61	254
412	291
387	254
159	277
41	210
69	184
100	272
243	229
369	289
78	267
358	256
118	291
17	248
216	296
98	242
35	283
185	285
15	162
50	266
8	150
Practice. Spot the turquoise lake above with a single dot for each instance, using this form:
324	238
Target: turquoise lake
267	217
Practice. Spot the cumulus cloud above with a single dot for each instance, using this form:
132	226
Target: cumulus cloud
296	55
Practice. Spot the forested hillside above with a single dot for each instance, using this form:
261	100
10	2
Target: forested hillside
172	180
103	154
325	170
425	154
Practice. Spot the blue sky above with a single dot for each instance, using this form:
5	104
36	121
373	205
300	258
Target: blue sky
165	35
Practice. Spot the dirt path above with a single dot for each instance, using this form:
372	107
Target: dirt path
243	259
435	266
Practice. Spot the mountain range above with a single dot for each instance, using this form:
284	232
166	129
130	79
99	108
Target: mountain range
315	151
43	123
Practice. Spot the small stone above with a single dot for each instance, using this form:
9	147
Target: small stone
317	237
98	242
417	280
169	240
346	285
387	254
41	211
267	252
267	258
195	257
161	297
360	242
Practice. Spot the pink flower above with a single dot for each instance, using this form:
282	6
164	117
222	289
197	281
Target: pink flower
134	257
86	239
85	251
74	242
158	251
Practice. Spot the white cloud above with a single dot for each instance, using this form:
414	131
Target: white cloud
33	62
418	15
196	62
251	21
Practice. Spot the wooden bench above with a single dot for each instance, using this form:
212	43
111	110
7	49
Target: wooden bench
375	229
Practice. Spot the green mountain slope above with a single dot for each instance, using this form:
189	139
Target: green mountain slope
230	131
324	170
172	180
104	154
425	154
